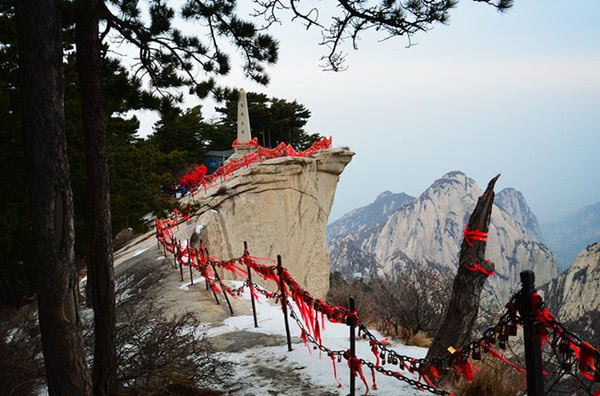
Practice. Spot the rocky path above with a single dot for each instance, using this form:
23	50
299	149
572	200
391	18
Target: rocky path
260	366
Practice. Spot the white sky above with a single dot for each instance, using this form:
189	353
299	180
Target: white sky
515	93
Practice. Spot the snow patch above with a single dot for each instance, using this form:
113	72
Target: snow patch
139	252
313	365
186	286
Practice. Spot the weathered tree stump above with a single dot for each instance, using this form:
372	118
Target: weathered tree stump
473	270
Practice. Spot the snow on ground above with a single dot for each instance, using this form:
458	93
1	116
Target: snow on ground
186	285
310	364
139	252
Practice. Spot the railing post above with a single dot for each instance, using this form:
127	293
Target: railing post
204	272
222	288
206	277
351	323
284	302
246	254
531	336
190	262
178	257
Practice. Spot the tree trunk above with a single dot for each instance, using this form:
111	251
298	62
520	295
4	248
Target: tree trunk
100	262
455	330
45	145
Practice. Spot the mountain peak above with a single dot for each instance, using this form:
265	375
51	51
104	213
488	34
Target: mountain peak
384	195
453	175
513	202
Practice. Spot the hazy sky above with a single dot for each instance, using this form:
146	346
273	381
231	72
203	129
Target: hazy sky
515	93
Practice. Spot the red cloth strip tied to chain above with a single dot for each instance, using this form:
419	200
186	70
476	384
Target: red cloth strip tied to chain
487	347
356	369
196	178
464	367
587	356
474	235
332	356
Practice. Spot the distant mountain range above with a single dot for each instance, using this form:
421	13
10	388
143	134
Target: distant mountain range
397	231
568	237
368	216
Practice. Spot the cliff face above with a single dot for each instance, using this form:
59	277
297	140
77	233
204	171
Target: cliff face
513	202
280	207
429	230
575	292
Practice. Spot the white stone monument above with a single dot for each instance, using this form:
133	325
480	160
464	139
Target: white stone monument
243	129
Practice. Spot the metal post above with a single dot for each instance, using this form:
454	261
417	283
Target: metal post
284	302
250	285
351	324
222	288
178	258
206	277
205	272
190	262
531	335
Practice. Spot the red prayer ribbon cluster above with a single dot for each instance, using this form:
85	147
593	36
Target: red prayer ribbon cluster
199	179
252	143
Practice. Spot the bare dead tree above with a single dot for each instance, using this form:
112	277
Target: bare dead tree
414	300
472	273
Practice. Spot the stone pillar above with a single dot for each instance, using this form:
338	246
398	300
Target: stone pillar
243	129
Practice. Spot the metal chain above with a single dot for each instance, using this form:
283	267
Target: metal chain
488	336
309	336
399	376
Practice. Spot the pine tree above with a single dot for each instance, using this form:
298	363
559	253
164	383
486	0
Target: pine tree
41	81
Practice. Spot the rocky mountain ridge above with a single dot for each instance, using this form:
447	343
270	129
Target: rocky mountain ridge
368	216
429	230
574	293
573	297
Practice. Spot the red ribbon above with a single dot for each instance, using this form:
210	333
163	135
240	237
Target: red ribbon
488	348
587	355
332	356
356	369
474	235
477	267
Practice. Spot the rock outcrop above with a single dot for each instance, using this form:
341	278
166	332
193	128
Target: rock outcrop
429	230
280	207
574	293
347	256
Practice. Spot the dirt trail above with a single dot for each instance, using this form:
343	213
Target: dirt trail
262	374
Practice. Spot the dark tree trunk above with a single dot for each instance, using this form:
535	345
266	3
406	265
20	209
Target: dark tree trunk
455	330
45	144
100	262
